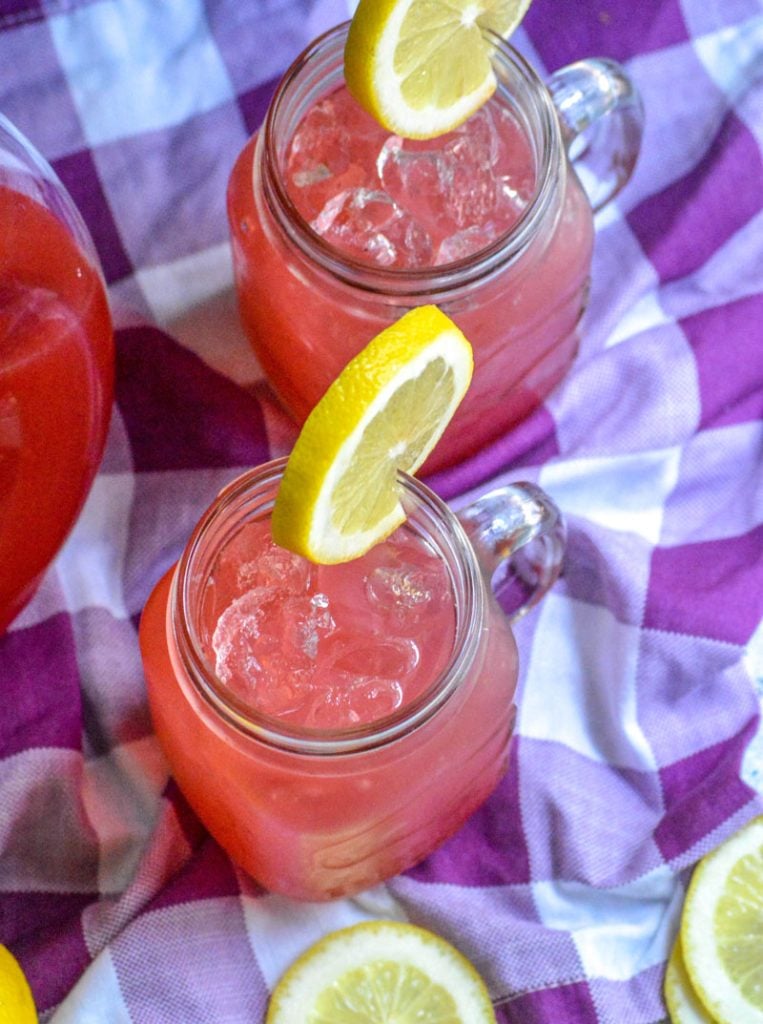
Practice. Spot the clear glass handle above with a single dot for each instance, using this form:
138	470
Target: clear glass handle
602	120
519	536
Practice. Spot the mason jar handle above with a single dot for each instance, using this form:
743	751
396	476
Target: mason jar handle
602	120
518	535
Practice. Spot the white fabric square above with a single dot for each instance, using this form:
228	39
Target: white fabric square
731	57
580	687
96	998
618	932
194	300
281	929
625	493
90	565
137	66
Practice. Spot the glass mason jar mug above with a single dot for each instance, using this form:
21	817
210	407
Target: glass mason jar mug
308	305
56	367
320	807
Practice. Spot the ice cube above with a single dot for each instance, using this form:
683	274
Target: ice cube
355	656
368	224
464	243
275	566
352	700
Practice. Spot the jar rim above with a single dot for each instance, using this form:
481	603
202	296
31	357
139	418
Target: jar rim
418	280
269	730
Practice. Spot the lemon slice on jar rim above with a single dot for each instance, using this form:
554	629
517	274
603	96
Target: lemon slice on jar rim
381	971
384	413
722	928
422	67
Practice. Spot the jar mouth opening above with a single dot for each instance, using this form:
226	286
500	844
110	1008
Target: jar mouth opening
251	497
542	129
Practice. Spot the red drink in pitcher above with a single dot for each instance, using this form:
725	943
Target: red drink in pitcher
331	725
56	382
339	227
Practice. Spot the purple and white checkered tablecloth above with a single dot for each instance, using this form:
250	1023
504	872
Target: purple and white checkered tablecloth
637	747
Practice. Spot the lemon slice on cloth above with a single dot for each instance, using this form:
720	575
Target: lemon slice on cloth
16	1003
377	972
722	928
385	412
422	67
683	1003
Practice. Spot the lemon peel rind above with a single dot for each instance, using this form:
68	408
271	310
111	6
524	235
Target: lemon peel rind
684	1006
720	996
372	941
15	993
370	79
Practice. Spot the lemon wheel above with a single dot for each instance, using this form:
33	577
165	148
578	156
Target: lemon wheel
377	972
722	928
422	67
384	414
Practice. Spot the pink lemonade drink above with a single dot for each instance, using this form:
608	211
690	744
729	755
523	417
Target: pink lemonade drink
56	372
330	725
339	227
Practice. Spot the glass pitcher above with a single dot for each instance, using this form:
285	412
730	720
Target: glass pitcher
56	367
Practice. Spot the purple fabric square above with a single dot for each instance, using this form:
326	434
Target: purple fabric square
28	913
254	103
188	416
701	792
167	188
54	959
190	963
193	830
207	875
36	99
79	174
612	28
281	31
489	849
726	345
606	567
16	12
569	1004
711	589
570	834
40	687
678	674
530	443
682	226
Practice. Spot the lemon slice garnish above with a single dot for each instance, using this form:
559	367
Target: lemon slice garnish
422	67
377	972
16	1003
683	1003
722	928
385	412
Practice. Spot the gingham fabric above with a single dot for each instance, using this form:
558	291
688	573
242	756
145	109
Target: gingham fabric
636	749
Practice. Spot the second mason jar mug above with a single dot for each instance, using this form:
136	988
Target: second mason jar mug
309	301
332	725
